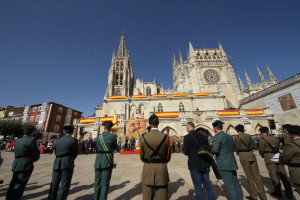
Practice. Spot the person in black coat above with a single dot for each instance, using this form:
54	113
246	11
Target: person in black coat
199	168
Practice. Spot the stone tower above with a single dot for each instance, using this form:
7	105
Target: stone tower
120	75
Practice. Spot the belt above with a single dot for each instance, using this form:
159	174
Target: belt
22	157
271	152
152	160
294	165
245	150
100	152
63	156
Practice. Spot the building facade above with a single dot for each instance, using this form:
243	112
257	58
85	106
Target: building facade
50	118
205	88
11	113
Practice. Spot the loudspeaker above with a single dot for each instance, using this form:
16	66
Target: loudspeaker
272	124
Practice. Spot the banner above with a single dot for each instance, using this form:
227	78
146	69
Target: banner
135	128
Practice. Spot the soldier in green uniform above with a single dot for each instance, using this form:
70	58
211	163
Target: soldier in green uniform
268	146
291	156
106	143
26	153
66	151
243	147
155	152
223	147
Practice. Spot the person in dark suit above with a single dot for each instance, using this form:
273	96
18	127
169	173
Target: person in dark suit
26	153
223	148
155	153
66	151
106	143
199	167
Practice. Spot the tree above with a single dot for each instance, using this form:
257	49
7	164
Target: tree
12	128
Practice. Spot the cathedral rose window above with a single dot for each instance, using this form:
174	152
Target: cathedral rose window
211	76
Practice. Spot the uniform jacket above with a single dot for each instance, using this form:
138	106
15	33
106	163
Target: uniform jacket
240	146
155	174
66	150
223	147
291	155
26	148
191	150
102	161
263	147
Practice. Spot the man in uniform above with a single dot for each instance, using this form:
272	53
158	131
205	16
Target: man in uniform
66	151
155	152
268	146
26	152
286	138
223	147
243	146
291	156
106	143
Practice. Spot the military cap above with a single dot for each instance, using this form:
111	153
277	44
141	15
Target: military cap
108	124
264	129
153	119
217	122
69	128
28	129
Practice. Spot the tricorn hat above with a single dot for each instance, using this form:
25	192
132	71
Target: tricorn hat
69	128
217	122
108	124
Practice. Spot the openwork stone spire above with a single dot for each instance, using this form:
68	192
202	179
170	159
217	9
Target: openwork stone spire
122	51
242	87
272	78
249	83
260	75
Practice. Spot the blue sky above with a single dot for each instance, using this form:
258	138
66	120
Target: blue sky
60	50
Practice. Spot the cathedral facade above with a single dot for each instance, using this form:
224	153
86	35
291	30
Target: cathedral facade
205	88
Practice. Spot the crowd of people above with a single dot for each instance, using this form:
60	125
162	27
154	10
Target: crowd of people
204	152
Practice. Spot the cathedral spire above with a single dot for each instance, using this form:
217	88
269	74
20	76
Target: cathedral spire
221	49
242	87
260	75
174	61
272	78
191	50
249	83
122	51
180	57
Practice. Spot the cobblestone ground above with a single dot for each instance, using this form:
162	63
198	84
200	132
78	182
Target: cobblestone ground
125	182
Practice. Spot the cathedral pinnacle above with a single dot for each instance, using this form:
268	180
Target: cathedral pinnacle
242	87
249	83
122	51
260	75
180	57
191	50
272	78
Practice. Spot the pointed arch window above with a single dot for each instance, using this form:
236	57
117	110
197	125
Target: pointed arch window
158	90
117	79
181	107
118	93
160	108
121	79
148	91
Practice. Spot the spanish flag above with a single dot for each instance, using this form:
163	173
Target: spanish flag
254	112
228	112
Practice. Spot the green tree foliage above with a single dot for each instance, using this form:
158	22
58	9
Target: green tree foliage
12	128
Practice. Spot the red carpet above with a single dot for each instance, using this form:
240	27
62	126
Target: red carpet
130	152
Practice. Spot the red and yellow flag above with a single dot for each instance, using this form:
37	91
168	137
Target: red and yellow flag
228	112
180	95
87	121
117	97
105	119
159	95
167	114
254	112
138	96
202	94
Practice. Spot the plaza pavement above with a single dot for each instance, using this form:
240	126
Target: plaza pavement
125	182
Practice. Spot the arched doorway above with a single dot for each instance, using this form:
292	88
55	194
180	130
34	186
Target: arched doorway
257	127
169	131
206	127
231	130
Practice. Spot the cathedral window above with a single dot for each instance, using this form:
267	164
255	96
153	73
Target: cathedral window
121	62
118	93
160	108
121	79
158	90
117	63
148	91
117	79
181	107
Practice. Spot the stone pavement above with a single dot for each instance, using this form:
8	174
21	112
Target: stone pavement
125	182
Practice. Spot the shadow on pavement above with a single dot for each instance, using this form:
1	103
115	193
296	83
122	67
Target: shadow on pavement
190	195
174	186
136	190
119	186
